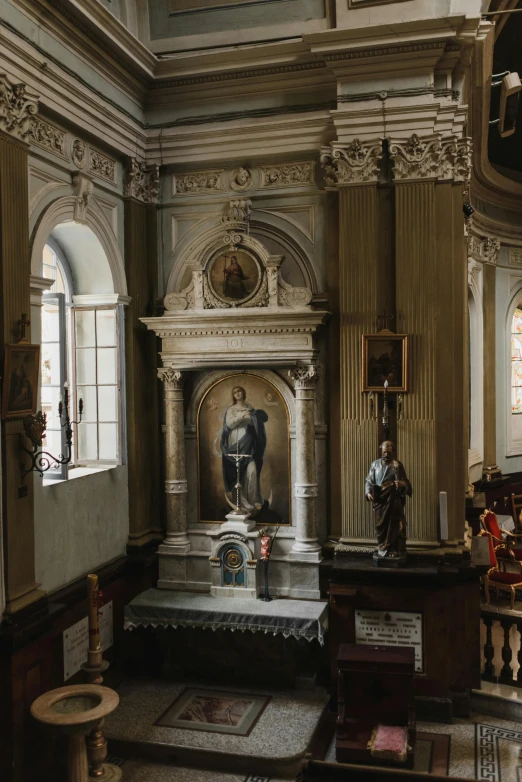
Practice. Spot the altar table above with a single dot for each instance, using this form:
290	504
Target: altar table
162	608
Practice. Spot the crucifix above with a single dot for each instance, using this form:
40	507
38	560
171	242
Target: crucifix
237	458
385	317
23	323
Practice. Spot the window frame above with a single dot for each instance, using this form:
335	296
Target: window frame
108	463
60	474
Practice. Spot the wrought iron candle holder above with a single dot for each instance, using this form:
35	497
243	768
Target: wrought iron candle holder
35	427
385	417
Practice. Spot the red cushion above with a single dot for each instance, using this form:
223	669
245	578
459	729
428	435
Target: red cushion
506	578
491	524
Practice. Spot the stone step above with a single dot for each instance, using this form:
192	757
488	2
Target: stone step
151	771
237	730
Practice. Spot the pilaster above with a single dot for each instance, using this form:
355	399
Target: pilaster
431	278
490	391
143	434
354	170
16	110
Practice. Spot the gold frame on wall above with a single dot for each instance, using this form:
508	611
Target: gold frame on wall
384	336
20	347
238	376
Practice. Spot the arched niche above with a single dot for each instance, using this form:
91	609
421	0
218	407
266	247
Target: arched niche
90	246
198	244
205	384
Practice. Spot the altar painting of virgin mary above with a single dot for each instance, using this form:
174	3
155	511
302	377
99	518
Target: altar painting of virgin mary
244	415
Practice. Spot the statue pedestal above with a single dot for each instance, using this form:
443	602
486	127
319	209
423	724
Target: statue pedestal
238	522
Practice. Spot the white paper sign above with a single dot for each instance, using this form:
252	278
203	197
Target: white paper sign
391	628
76	641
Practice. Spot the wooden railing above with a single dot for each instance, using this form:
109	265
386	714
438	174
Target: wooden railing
498	633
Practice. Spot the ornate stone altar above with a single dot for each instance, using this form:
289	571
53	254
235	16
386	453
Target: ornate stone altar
238	317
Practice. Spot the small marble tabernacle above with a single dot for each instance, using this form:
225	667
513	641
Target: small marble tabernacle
160	608
391	628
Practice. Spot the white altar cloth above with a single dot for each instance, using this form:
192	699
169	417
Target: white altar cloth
163	608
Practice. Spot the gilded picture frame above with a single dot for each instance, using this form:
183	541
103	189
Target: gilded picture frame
274	465
385	357
20	387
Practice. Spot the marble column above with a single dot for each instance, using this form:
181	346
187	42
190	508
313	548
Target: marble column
306	546
176	540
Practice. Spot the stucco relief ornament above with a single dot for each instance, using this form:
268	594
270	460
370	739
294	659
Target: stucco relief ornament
355	163
238	211
241	180
79	153
142	181
17	108
83	187
432	157
47	136
199	182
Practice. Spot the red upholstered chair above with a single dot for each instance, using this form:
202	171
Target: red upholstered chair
503	541
506	582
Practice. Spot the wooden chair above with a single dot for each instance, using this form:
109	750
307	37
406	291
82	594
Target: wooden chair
516	510
503	582
503	542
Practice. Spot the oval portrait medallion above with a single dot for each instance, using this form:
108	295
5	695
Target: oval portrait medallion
234	276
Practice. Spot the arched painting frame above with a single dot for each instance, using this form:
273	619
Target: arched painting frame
270	469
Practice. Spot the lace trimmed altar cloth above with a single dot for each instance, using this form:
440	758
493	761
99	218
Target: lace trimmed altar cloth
162	608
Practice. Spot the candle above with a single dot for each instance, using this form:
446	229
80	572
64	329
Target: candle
443	506
94	619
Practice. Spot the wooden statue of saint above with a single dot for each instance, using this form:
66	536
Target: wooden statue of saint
387	487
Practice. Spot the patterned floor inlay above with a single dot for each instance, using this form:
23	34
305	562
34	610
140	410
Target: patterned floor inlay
214	711
496	750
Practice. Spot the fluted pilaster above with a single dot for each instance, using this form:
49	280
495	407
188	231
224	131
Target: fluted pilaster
358	248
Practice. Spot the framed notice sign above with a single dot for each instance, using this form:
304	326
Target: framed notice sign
391	628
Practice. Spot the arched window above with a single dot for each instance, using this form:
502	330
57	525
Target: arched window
516	362
81	353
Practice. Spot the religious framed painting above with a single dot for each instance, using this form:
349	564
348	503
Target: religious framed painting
234	276
244	419
385	358
20	389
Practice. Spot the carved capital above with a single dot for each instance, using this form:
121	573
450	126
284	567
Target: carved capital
305	377
173	378
18	108
83	187
431	157
351	164
142	181
484	249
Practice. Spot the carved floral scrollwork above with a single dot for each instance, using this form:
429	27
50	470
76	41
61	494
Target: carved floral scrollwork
355	163
483	248
287	175
173	378
431	158
47	136
17	108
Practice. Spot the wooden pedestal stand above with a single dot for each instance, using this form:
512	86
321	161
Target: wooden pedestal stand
77	710
94	668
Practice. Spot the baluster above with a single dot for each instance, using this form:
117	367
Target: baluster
506	674
489	649
519	658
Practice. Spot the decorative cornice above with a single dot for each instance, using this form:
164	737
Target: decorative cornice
304	377
431	157
173	378
385	51
250	73
17	108
352	164
142	182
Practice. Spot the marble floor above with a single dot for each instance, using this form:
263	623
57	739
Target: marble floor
275	745
482	747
